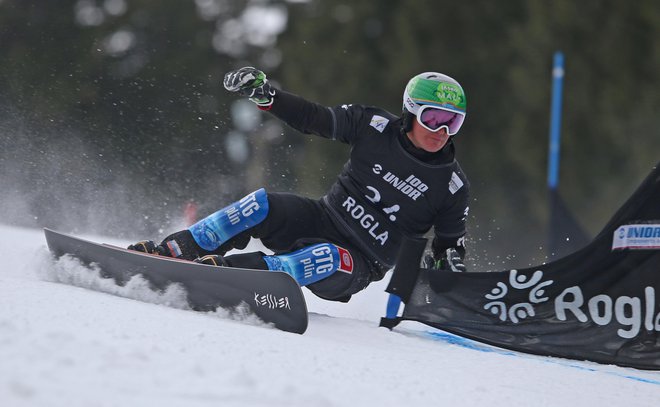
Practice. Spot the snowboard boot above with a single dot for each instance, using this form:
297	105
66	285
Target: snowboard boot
182	245
211	259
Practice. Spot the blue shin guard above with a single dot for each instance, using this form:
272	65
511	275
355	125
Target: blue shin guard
312	263
216	229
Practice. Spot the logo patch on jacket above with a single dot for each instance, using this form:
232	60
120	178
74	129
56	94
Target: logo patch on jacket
455	183
379	123
345	261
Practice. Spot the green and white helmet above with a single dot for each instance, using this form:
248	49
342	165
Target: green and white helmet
438	91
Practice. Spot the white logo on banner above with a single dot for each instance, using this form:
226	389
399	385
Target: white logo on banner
631	312
517	282
636	237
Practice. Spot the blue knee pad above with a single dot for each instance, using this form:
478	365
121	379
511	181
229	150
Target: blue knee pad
312	263
216	229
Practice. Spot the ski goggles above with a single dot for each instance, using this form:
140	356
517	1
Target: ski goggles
433	119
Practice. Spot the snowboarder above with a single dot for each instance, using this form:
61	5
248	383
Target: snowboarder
402	178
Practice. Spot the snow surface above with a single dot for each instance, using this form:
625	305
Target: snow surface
64	345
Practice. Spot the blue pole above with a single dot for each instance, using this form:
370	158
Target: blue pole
555	120
393	304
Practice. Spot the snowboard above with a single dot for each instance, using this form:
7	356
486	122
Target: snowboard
274	297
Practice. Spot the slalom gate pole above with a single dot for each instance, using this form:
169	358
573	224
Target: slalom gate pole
555	121
393	304
404	275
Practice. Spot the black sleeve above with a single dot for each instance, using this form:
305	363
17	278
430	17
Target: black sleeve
304	116
441	244
343	123
449	228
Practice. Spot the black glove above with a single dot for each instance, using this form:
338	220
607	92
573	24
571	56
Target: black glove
250	82
450	260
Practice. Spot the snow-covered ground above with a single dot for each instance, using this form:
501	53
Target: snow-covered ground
63	345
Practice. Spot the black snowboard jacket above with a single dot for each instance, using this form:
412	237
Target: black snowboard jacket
388	188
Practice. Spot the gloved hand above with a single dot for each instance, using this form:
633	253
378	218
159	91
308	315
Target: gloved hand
250	82
449	261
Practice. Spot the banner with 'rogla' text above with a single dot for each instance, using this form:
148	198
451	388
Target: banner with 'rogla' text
601	303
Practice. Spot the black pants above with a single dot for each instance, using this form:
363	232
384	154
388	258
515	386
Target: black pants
294	222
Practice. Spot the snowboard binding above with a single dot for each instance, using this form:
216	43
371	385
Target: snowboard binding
149	247
211	259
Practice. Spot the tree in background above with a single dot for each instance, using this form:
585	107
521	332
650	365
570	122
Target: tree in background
502	54
114	107
117	108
